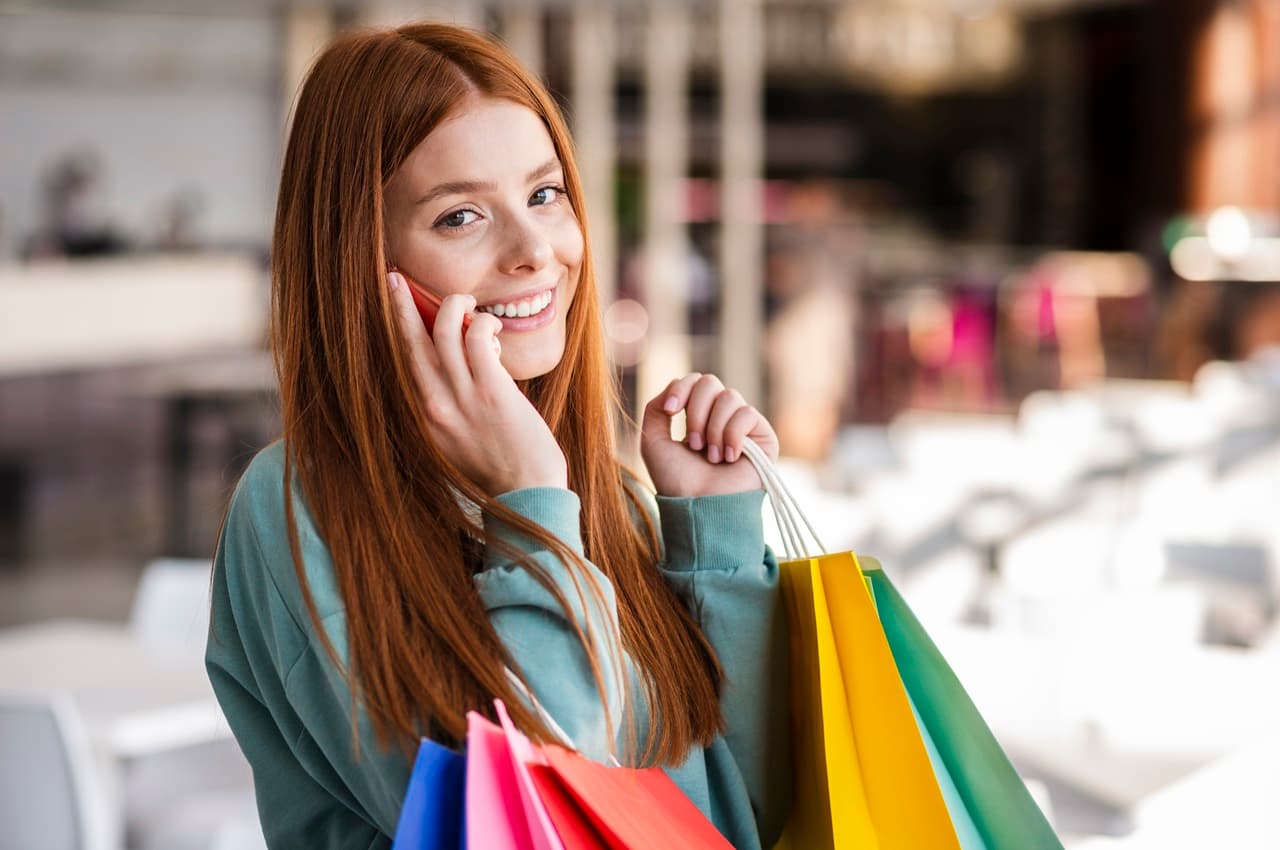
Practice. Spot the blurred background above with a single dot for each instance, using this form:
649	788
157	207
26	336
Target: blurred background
1005	275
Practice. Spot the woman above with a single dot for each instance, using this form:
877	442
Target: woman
455	508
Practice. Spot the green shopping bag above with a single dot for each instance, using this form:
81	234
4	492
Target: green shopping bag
994	796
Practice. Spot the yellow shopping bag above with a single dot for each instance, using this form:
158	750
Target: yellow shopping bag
863	778
829	803
863	775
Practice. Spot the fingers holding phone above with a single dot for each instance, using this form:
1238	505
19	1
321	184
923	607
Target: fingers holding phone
474	408
427	302
447	337
484	348
428	306
426	362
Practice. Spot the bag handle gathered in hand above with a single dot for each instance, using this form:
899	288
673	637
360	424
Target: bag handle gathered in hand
786	510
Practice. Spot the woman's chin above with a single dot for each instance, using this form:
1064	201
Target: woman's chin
523	367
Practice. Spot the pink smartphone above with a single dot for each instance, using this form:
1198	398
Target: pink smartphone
428	304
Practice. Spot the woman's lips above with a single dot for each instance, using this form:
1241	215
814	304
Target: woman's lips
528	323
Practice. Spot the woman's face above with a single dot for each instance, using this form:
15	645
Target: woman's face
480	208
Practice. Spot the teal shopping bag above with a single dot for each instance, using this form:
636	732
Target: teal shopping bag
431	817
994	796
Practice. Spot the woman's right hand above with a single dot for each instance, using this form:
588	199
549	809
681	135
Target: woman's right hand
475	412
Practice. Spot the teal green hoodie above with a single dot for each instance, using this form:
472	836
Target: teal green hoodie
290	708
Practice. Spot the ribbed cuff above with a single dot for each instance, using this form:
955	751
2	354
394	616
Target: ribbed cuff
554	508
712	532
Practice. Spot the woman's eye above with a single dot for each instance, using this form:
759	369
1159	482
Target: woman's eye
545	195
456	219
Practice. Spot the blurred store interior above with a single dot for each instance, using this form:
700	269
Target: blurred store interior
1005	275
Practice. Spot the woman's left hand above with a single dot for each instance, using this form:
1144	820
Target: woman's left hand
717	421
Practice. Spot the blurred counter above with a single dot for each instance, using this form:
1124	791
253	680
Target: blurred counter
65	316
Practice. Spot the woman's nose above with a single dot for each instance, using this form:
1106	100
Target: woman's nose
527	248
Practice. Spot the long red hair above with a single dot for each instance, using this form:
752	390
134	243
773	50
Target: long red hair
422	651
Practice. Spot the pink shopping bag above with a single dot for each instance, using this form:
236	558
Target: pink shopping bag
495	809
523	754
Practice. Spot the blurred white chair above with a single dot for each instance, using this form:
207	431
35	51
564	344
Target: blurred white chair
1091	579
1235	579
970	450
861	451
1123	397
1233	395
194	801
1066	433
170	613
52	794
244	837
197	798
1229	803
944	588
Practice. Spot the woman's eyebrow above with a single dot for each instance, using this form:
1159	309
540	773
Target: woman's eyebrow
458	187
543	170
462	187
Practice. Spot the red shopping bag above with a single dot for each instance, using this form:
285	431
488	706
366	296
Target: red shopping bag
572	824
595	807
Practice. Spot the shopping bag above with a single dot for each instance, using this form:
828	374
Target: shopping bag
967	832
431	817
996	798
912	693
446	790
575	829
510	794
825	758
579	804
596	807
495	809
523	755
863	775
621	808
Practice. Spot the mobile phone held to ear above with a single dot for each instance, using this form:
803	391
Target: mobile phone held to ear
428	304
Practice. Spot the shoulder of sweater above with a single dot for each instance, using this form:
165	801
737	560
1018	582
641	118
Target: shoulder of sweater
257	510
258	501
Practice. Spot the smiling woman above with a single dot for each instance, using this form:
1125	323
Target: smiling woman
441	509
510	239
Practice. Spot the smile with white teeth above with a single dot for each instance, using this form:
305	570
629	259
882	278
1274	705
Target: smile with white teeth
528	307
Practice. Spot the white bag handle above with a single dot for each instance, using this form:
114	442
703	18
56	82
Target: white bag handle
786	510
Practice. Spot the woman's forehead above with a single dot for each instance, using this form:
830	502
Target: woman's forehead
485	139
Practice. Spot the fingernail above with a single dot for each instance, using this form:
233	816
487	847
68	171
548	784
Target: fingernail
671	404
394	281
730	455
695	441
713	454
497	346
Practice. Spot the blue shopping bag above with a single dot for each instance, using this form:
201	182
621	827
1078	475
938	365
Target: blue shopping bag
432	815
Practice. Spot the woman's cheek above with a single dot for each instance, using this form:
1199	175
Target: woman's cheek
454	271
579	246
571	245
